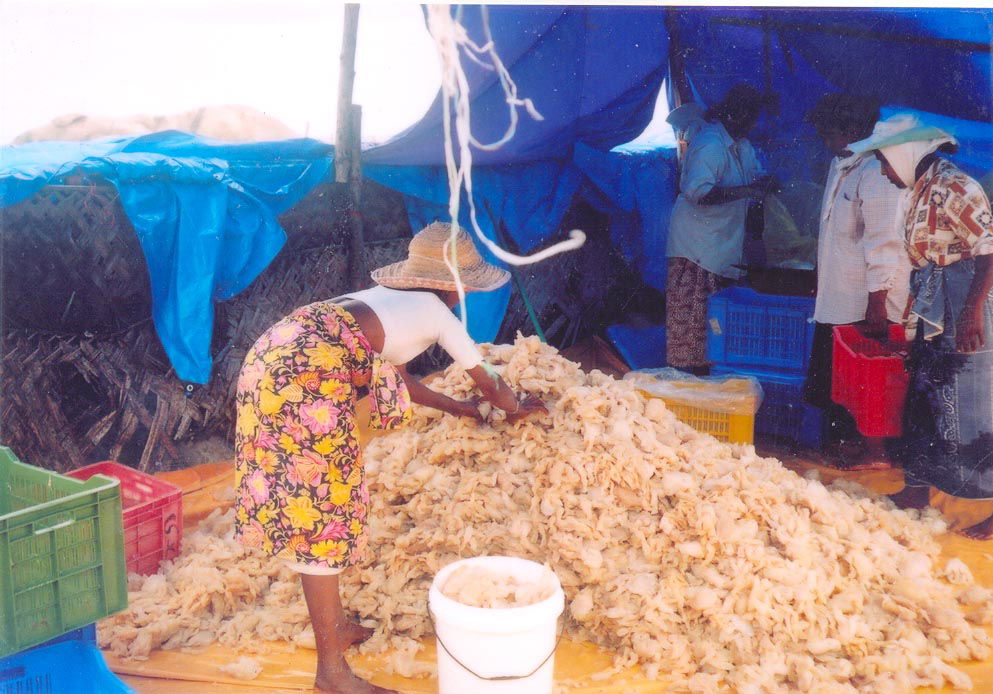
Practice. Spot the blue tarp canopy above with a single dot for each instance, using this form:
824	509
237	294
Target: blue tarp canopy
205	211
936	61
594	74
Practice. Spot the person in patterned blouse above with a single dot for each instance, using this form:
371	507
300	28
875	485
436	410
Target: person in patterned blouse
948	229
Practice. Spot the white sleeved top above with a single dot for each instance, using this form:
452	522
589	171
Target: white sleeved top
860	247
413	321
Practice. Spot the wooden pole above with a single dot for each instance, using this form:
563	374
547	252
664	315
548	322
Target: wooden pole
348	148
346	78
681	91
359	276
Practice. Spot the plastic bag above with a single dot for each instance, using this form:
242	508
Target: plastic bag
735	394
786	245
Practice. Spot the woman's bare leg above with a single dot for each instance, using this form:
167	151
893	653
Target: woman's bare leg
333	633
874	455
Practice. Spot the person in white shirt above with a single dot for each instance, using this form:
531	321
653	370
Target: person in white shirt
720	176
302	497
863	273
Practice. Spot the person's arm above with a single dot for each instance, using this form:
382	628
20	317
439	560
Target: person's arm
972	222
422	395
759	186
883	246
969	332
720	196
497	392
756	190
452	336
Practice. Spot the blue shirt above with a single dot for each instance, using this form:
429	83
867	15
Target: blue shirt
712	235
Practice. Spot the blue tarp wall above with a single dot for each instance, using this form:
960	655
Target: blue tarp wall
205	211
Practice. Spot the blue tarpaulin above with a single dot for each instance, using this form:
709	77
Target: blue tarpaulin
594	74
205	211
594	71
931	60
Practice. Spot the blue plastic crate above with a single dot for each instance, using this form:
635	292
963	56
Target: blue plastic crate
87	634
642	347
745	328
783	413
70	667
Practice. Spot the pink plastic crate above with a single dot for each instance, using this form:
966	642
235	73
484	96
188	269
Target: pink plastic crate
869	378
153	515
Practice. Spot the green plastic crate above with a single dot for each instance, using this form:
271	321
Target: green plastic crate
61	553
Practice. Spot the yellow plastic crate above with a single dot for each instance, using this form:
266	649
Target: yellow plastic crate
723	426
724	409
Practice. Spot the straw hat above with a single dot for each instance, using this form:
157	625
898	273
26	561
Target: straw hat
425	266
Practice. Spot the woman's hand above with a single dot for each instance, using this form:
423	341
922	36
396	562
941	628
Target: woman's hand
767	185
969	331
526	406
876	315
971	325
496	392
470	409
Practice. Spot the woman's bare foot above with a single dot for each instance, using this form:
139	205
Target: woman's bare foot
912	497
333	633
345	682
865	462
983	530
353	633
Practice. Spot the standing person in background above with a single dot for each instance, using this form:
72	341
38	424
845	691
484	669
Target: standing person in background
948	418
302	497
863	273
720	176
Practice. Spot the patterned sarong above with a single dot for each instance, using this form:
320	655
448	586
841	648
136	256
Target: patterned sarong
301	489
687	289
948	420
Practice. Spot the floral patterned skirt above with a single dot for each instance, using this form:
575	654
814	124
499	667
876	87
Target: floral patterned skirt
299	474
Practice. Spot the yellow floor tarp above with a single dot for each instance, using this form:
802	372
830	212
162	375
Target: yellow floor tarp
210	486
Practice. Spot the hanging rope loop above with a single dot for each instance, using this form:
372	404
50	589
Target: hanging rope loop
452	40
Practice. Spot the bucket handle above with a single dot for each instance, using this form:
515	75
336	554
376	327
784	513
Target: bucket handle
498	677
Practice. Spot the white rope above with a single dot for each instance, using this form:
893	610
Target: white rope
450	38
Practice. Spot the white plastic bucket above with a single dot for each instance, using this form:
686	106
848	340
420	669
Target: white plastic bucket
514	644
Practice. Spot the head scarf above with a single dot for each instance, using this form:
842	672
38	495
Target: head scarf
904	141
905	157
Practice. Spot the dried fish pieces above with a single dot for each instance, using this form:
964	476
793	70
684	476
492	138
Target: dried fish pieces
697	559
957	573
479	586
215	591
689	556
244	668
